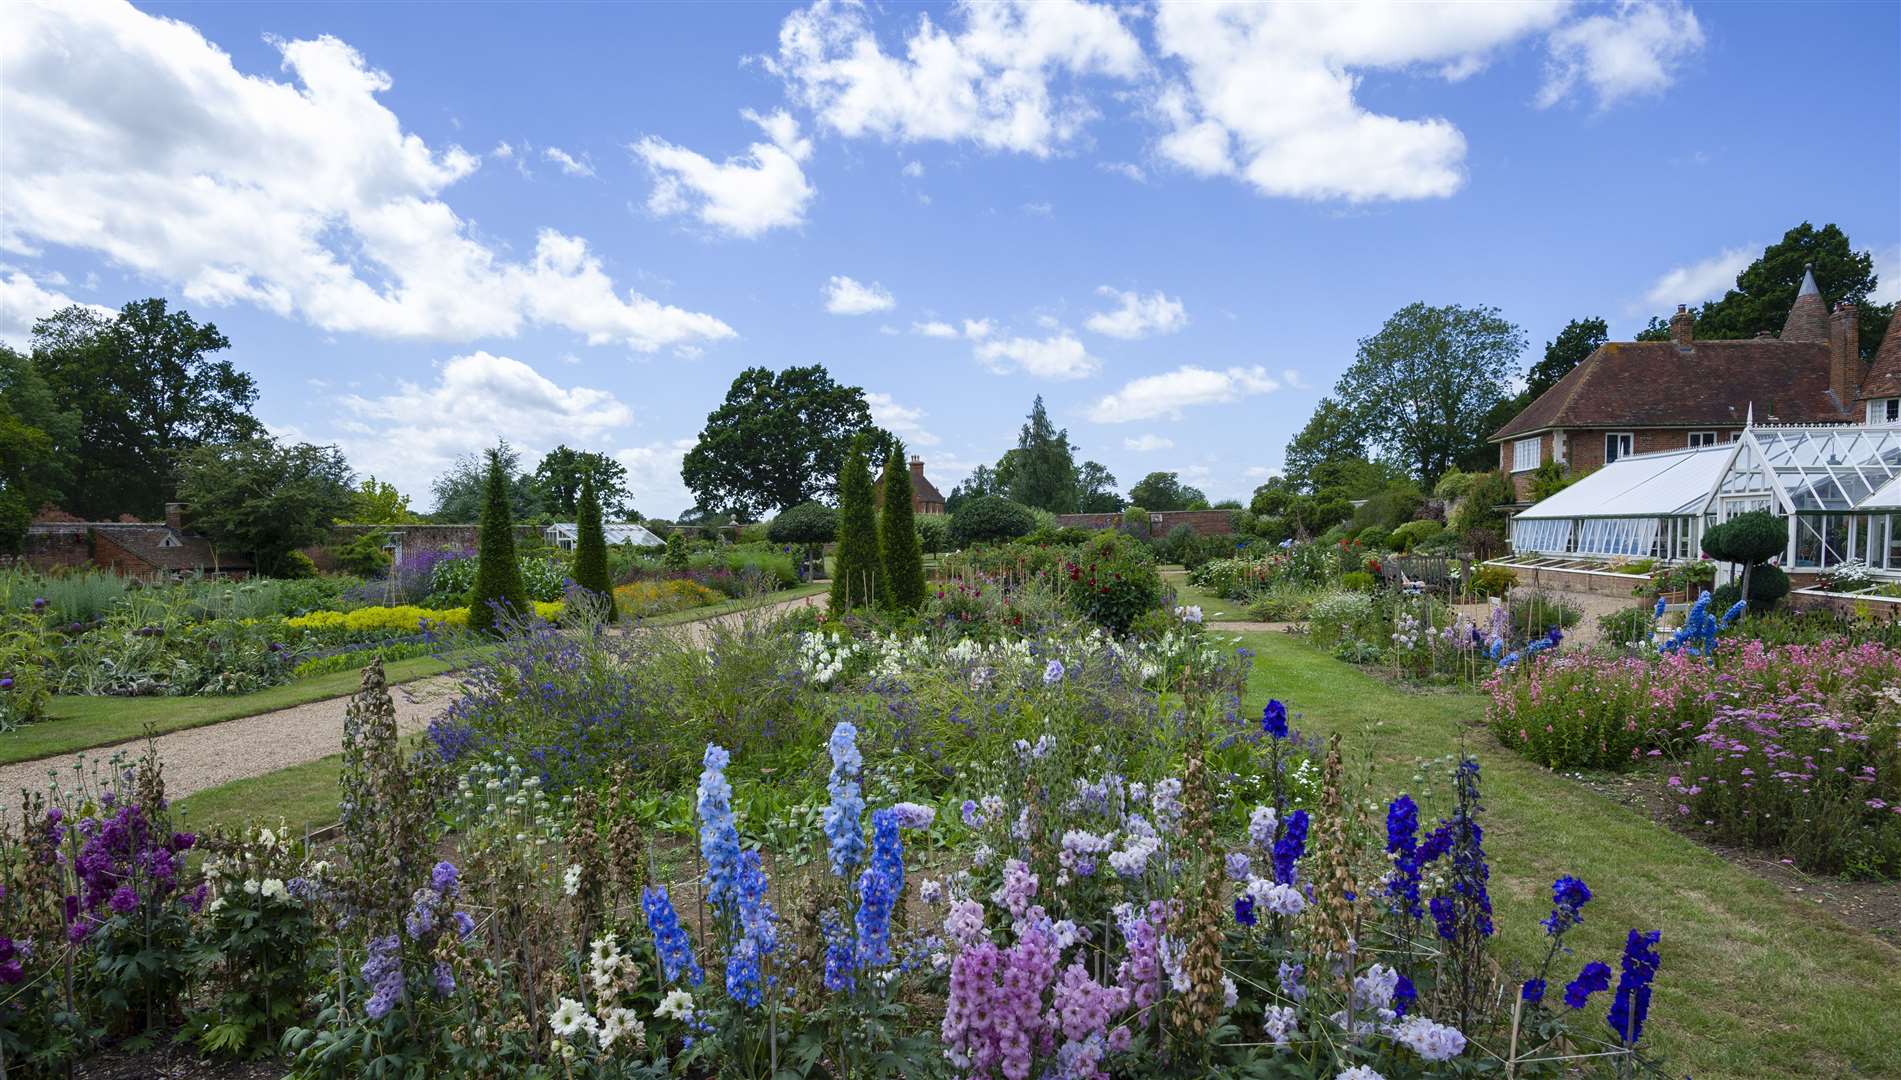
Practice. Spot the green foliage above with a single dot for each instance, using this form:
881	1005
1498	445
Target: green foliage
296	566
1372	537
1334	433
564	470
988	519
1112	581
1096	489
1535	612
777	440
933	533
1160	492
855	565
1491	581
379	503
1479	508
363	555
1041	472
265	498
1390	507
498	581
1454	485
1549	479
462	492
1578	340
900	556
146	391
1411	533
806	523
38	444
1626	627
590	551
1359	581
675	557
1346	617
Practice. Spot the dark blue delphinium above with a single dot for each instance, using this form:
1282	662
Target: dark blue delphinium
1632	1004
1290	847
1274	719
1402	831
1595	976
669	938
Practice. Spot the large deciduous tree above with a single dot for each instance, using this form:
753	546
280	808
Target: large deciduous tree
777	440
1579	339
39	444
146	390
377	502
562	472
900	554
265	498
1332	434
1163	491
982	481
462	492
1096	489
1420	390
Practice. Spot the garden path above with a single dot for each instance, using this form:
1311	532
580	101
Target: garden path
205	757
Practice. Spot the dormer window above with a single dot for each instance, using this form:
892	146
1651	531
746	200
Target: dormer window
1884	410
168	541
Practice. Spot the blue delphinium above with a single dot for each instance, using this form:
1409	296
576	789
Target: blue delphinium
878	890
1244	910
1632	1003
1274	719
842	827
1290	847
1533	991
1568	897
1463	837
1402	842
1595	976
1698	635
1735	612
719	837
841	954
669	938
1657	612
756	934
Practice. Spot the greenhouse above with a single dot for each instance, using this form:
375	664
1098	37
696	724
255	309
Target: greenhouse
564	535
1838	486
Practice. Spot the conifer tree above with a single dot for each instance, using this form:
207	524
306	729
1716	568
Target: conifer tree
855	569
898	547
590	551
497	574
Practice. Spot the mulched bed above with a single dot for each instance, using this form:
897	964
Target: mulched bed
168	1062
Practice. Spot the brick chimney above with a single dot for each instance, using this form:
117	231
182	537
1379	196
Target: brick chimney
175	515
917	466
1683	327
1844	352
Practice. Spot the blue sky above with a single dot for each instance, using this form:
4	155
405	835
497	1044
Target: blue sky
426	226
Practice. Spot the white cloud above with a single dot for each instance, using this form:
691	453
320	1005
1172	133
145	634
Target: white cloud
134	137
764	188
934	329
1888	275
977	329
411	435
1124	168
570	165
1138	316
900	420
845	296
1166	395
1058	357
913	169
1631	51
1142	444
1700	281
653	476
1266	93
23	301
1039	209
1294	379
1000	79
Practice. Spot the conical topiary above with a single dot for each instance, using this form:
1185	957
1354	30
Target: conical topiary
497	574
901	554
855	567
590	552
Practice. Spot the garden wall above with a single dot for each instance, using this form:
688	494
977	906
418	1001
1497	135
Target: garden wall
1601	582
1204	522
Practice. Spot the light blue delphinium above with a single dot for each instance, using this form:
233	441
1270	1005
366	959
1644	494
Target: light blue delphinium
719	837
842	827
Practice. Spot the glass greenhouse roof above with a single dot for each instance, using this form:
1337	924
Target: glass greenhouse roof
617	532
1673	483
1816	468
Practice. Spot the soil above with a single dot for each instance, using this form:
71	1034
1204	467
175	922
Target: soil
167	1061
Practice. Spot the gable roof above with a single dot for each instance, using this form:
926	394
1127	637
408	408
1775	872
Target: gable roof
1714	383
1884	378
167	548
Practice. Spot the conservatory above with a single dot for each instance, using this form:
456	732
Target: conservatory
1838	486
564	535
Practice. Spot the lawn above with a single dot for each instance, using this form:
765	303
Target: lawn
302	797
1754	982
1213	607
743	603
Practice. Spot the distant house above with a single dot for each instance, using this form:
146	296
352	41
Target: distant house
1634	397
925	498
566	534
150	551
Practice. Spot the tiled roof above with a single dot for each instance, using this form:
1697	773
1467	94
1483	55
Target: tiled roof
925	491
168	548
1808	316
1884	378
1715	383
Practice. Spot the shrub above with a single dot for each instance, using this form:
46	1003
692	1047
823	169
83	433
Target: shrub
364	555
806	523
1359	581
498	582
1112	581
855	566
1630	626
1342	617
1536	612
933	533
1492	581
989	519
1372	538
1479	508
1573	710
643	599
590	552
900	556
296	566
676	556
1389	507
1410	534
1282	603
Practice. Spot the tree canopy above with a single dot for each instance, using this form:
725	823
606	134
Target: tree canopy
1332	433
265	498
462	492
1096	489
377	502
562	472
1042	470
38	444
146	390
1163	491
778	439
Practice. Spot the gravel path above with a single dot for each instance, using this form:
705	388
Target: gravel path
204	757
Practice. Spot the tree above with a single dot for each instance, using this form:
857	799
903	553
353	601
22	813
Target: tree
1421	388
146	391
499	591
1766	289
590	551
776	441
1579	339
376	502
856	564
901	556
1332	434
1096	489
1751	539
988	519
462	492
562	472
265	498
810	525
1042	474
981	481
38	444
1479	508
1164	491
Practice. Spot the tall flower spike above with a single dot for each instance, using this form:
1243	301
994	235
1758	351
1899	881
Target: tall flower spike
719	836
842	826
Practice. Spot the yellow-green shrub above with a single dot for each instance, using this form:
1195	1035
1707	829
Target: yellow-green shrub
401	618
641	598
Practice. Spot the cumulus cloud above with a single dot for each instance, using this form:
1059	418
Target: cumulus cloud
411	435
934	328
1700	281
900	420
1167	394
1124	168
1005	79
845	296
24	300
1633	50
764	188
1137	316
913	169
134	137
653	476
977	329
1060	356
1145	443
569	164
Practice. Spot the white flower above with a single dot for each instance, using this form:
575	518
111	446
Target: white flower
1229	994
216	905
618	1024
273	889
677	1005
1431	1041
571	881
1360	1072
250	886
571	1017
266	839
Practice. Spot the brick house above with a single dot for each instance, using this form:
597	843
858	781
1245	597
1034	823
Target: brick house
925	498
150	551
1635	397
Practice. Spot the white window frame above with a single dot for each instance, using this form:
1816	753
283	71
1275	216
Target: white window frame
1893	410
1702	438
1532	446
1628	441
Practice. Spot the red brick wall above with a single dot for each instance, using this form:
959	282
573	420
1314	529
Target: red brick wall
1584	449
1204	522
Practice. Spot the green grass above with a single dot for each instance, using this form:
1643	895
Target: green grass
302	796
86	723
1754	983
1213	607
743	603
